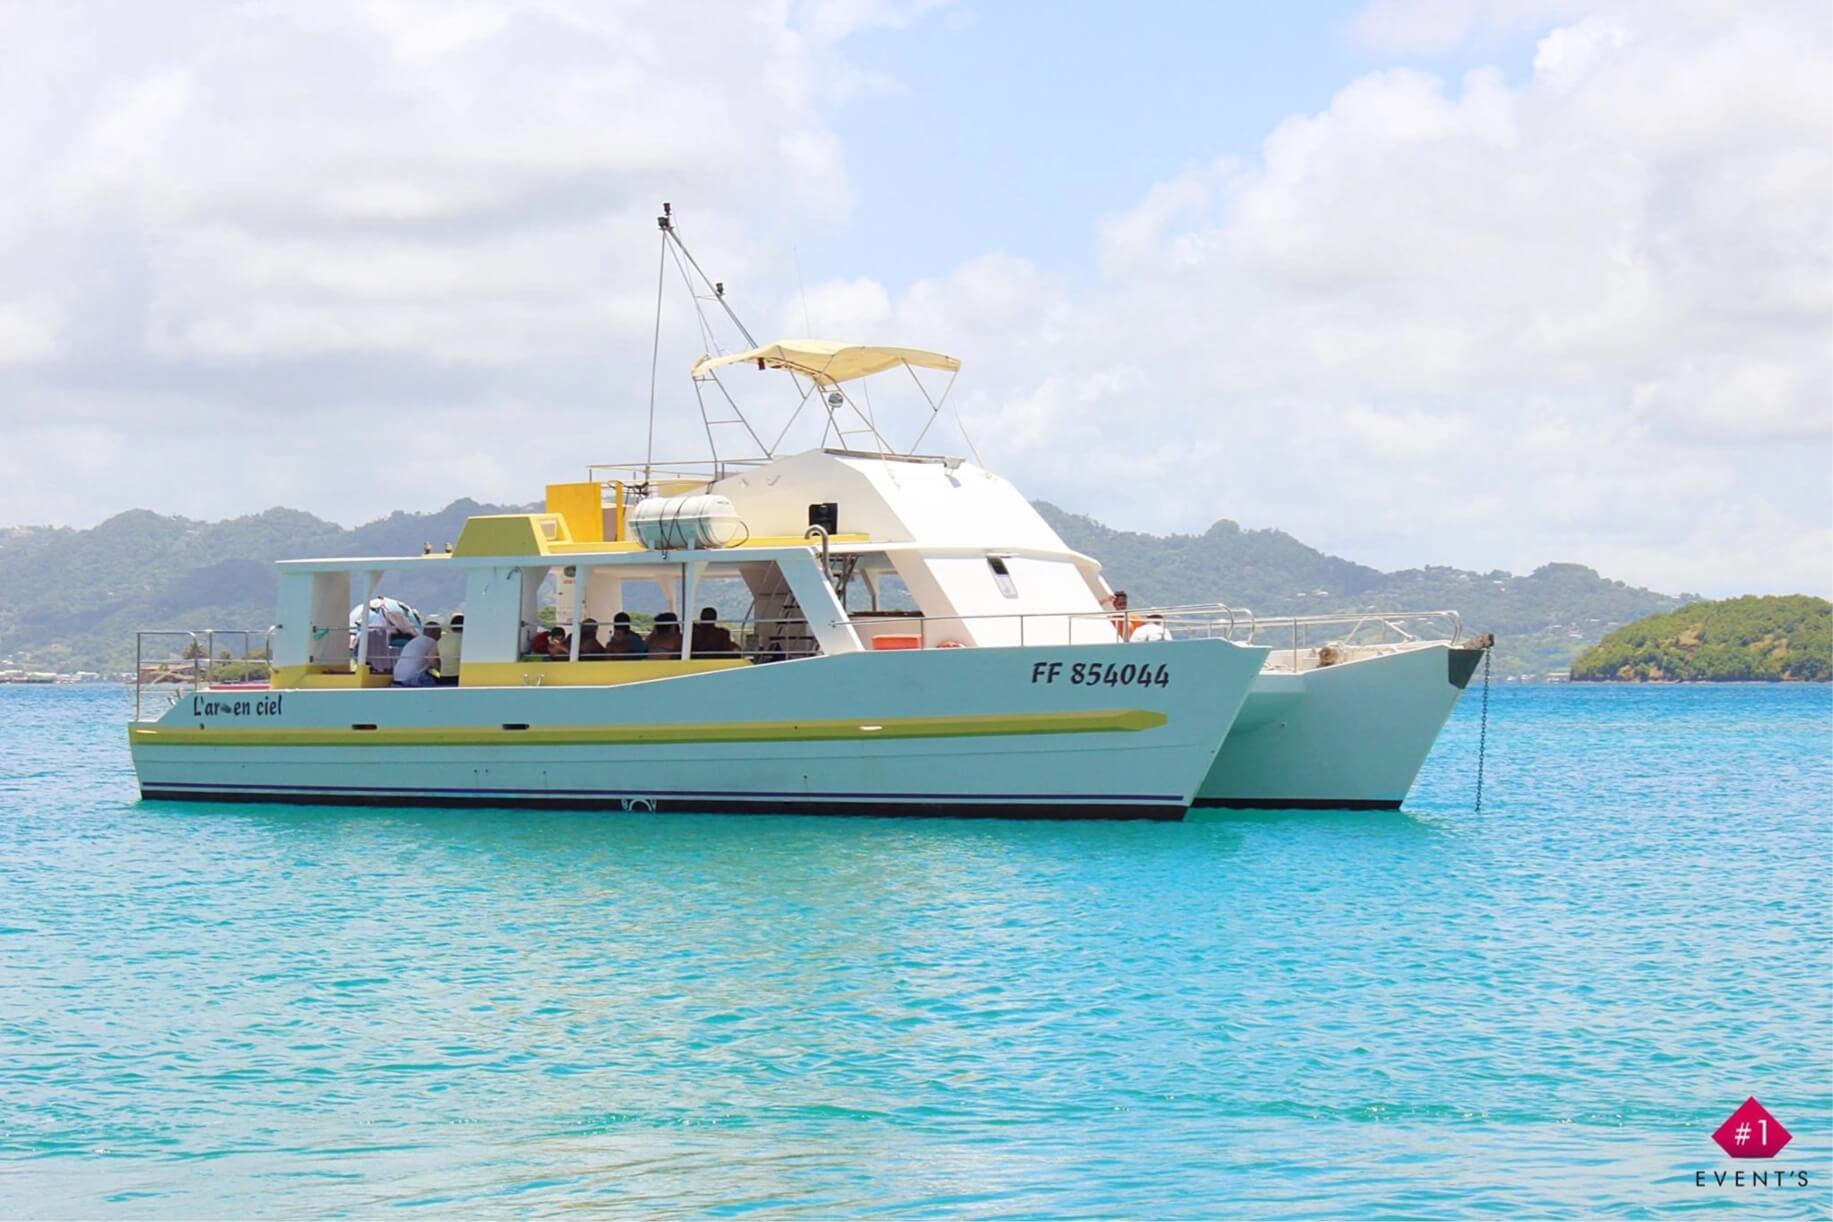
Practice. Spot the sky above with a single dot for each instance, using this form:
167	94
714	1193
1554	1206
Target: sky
1488	283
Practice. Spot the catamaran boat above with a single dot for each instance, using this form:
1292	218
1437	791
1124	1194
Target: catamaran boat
903	634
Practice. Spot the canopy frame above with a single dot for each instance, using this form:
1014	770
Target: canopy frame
827	365
830	366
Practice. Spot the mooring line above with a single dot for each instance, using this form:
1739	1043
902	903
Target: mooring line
1483	728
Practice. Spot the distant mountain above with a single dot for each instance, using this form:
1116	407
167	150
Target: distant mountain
1541	621
1760	638
74	598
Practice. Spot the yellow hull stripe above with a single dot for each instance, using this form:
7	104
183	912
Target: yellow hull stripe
584	673
843	730
588	672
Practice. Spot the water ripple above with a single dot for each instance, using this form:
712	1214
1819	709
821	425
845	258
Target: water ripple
1543	1009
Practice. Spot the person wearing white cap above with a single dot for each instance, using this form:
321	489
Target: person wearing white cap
414	668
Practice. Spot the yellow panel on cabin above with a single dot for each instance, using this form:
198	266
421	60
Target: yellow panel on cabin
581	506
681	487
570	549
511	534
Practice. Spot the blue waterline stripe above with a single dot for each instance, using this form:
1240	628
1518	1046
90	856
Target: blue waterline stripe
240	787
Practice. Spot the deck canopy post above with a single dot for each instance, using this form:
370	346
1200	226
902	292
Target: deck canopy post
529	613
329	641
690	586
579	593
313	618
493	614
827	619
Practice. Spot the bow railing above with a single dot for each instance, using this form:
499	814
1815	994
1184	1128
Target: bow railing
178	661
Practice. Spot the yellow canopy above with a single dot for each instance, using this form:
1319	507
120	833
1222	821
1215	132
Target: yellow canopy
827	361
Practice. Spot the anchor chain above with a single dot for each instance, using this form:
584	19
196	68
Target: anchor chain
1483	728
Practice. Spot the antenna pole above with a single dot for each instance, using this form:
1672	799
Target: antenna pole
665	224
719	290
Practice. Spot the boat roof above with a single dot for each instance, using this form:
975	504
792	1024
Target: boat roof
635	556
830	361
936	508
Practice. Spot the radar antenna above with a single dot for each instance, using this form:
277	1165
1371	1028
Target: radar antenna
701	289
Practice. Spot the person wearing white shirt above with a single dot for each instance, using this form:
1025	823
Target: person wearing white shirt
1153	629
414	668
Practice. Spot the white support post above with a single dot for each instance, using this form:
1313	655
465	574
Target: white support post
579	589
827	620
690	585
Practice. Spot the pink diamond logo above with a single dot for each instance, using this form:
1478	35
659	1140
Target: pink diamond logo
1751	1132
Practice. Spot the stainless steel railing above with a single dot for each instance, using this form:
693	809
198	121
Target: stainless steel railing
1296	636
692	470
178	661
1193	621
756	639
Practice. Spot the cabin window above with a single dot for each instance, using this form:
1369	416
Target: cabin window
1002	576
890	593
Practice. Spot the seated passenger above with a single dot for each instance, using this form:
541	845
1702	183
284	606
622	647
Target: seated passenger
559	647
419	657
709	638
665	637
624	643
1152	629
537	643
589	644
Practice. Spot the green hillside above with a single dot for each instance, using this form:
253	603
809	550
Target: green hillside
72	599
1542	620
1761	638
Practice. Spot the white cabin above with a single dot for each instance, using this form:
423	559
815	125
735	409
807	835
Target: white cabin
927	552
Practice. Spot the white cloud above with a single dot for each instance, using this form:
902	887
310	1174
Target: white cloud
317	215
837	308
1581	315
29	332
1411	435
1439	25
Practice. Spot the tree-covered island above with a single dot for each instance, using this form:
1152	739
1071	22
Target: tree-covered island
1765	638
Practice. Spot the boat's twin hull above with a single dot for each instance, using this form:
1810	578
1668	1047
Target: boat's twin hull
1103	731
1350	736
1060	732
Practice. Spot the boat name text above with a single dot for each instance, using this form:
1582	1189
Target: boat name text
265	706
1102	674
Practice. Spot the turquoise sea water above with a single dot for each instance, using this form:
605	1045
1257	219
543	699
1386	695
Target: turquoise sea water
1546	1007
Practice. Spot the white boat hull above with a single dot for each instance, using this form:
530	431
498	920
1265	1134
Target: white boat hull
1008	732
1349	736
